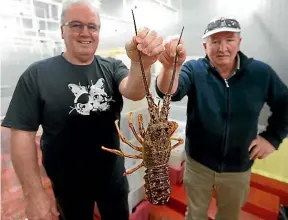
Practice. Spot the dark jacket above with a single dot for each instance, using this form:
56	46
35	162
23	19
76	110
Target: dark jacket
222	116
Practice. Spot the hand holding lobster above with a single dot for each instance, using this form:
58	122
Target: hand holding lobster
148	43
167	57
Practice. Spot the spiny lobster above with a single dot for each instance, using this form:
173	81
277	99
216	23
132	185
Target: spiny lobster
155	141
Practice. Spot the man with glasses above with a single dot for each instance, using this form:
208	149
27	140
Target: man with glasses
76	97
226	91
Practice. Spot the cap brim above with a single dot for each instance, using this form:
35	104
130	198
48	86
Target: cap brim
217	30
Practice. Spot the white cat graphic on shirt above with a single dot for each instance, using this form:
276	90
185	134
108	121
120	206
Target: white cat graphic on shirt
91	98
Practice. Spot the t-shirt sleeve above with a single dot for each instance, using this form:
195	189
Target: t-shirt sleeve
120	71
24	109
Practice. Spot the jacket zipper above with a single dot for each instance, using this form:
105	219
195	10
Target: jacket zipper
224	147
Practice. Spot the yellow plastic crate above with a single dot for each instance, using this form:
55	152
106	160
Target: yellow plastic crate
275	165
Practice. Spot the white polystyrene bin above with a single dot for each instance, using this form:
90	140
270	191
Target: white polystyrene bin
129	105
136	179
178	113
177	155
135	197
182	103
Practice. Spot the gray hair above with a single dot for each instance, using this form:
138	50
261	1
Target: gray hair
93	4
207	38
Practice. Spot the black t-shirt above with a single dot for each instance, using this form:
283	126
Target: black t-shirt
76	106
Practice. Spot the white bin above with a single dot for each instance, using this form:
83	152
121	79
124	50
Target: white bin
178	113
136	179
177	155
135	197
182	103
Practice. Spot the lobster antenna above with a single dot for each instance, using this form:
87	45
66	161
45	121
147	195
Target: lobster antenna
140	59
174	68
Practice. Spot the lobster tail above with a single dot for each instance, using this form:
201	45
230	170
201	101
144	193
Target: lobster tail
157	185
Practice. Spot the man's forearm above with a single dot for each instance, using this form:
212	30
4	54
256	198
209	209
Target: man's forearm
135	84
25	162
164	80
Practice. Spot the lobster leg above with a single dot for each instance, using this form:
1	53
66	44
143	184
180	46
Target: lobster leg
133	129
134	169
180	141
124	140
140	124
173	125
139	156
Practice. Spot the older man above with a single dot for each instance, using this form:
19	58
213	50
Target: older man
76	97
226	91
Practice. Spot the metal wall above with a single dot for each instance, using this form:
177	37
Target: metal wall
264	24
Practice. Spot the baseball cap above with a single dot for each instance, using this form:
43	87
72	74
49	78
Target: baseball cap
222	24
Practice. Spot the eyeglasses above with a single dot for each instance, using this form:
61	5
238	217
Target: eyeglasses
78	27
